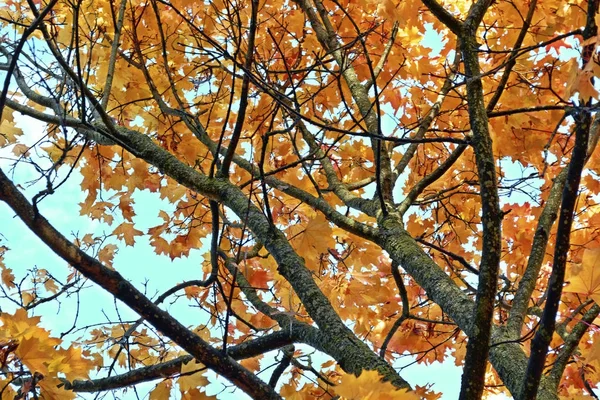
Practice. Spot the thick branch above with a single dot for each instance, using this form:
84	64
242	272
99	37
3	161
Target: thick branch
540	242
476	14
454	24
354	354
405	308
583	127
249	349
473	379
536	257
508	358
539	345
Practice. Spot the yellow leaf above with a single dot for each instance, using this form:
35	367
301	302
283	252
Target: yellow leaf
19	325
8	391
50	390
585	279
28	297
75	365
35	355
369	386
8	130
192	376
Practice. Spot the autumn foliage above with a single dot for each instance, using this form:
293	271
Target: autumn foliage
359	182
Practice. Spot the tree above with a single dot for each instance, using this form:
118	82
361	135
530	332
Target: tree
364	192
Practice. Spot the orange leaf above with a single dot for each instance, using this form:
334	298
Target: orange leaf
107	254
312	239
161	391
127	232
585	279
253	364
20	149
161	246
581	82
50	285
8	277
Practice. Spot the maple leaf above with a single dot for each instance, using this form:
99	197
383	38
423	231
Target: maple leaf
8	278
161	246
162	390
75	364
424	392
192	376
6	275
276	112
8	392
34	354
28	296
582	81
259	278
585	278
557	45
20	150
107	254
50	285
252	364
196	394
52	389
289	392
593	353
312	238
126	206
127	232
19	324
370	386
8	129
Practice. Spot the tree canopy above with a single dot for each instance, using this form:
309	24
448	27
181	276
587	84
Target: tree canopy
359	180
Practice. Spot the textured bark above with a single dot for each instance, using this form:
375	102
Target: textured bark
543	336
506	355
473	379
536	257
